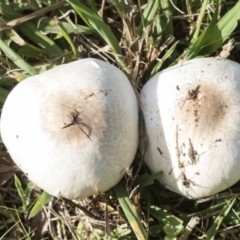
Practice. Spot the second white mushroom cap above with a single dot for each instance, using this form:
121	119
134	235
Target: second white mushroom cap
192	117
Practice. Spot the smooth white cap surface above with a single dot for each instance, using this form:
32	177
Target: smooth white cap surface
192	117
88	156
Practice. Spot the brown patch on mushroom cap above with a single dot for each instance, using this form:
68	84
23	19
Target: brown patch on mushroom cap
208	110
91	116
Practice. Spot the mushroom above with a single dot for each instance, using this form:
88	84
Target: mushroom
73	130
192	119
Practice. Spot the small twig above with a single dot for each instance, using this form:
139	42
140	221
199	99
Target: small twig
175	7
101	11
193	94
188	229
177	149
83	209
107	226
230	230
159	150
76	120
133	191
183	103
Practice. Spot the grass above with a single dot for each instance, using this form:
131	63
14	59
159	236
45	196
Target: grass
141	38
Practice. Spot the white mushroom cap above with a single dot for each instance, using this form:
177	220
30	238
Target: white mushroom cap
84	158
192	117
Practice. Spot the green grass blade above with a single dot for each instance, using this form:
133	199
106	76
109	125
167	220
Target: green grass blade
167	55
64	33
147	179
93	20
148	16
217	222
34	51
130	212
204	212
28	192
223	29
42	200
9	230
233	218
50	26
20	191
16	59
167	21
172	225
199	21
43	41
194	49
21	224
